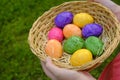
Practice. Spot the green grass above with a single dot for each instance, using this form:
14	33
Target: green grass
17	62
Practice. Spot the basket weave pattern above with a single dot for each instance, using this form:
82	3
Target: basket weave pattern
110	36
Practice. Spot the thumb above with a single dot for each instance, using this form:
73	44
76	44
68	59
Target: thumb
51	66
108	3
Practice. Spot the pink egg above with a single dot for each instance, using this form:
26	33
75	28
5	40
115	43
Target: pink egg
56	33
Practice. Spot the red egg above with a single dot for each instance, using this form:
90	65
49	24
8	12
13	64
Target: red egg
56	33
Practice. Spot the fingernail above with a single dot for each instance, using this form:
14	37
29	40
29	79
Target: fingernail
48	59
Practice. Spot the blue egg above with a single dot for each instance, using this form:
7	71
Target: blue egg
63	19
92	30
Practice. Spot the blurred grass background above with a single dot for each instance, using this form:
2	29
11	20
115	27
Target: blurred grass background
17	62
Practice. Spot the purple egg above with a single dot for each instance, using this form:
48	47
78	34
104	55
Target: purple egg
63	18
92	30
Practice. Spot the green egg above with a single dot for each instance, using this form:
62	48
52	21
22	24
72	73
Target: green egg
95	45
72	44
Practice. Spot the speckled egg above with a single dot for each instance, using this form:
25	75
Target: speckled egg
71	30
56	33
72	44
63	19
80	57
82	19
92	30
95	45
54	49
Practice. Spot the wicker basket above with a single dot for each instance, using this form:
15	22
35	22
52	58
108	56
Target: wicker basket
38	33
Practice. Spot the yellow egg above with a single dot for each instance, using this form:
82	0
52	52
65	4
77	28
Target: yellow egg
54	48
81	57
82	19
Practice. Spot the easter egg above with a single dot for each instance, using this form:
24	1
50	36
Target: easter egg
63	18
82	19
53	48
80	57
92	30
72	44
56	33
95	45
71	30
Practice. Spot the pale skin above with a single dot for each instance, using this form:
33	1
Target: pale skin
56	73
111	5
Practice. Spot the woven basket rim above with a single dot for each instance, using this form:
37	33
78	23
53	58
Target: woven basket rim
100	59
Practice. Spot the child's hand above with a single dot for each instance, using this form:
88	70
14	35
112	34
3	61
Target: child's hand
111	5
56	73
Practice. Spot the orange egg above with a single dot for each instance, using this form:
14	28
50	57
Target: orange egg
54	48
71	30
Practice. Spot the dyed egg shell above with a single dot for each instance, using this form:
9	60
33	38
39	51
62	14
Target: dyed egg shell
82	19
54	49
92	30
63	19
80	57
72	44
95	45
71	30
56	33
